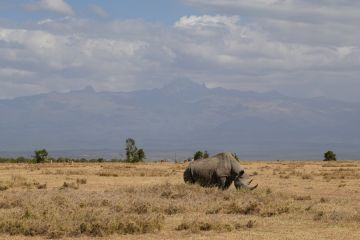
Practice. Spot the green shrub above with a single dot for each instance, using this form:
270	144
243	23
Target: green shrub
201	155
198	155
329	156
40	155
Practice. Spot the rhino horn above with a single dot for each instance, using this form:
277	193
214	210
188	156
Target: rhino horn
250	188
247	186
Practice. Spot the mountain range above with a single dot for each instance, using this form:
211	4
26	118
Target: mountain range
180	118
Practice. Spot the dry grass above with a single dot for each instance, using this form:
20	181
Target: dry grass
294	200
72	185
107	174
81	180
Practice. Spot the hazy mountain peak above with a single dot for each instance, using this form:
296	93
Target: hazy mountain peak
87	89
181	85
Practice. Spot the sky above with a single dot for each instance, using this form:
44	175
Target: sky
301	48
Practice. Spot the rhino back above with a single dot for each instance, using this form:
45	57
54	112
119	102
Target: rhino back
210	166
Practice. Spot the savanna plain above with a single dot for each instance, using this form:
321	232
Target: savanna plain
294	200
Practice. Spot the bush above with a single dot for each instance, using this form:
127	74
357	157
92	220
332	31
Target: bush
141	154
40	155
201	155
329	156
198	155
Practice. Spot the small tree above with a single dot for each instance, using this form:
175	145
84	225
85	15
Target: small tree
198	155
206	154
131	150
40	155
132	153
329	156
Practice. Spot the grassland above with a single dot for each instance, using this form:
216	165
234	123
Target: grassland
294	200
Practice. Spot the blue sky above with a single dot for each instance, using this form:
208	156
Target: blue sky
298	47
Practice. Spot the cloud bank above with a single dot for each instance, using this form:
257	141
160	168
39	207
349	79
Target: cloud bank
300	48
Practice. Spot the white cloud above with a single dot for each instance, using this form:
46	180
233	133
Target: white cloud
98	10
45	21
58	6
206	20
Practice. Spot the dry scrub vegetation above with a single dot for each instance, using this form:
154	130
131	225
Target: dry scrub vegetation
294	200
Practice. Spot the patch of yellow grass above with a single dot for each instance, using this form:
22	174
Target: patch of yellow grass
294	200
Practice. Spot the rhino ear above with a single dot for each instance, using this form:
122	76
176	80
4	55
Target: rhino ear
241	173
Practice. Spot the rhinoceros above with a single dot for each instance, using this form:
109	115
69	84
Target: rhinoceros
219	170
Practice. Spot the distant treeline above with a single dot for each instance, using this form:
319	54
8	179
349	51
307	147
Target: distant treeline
57	160
133	155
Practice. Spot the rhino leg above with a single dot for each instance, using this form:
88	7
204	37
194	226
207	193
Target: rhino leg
228	183
188	178
223	183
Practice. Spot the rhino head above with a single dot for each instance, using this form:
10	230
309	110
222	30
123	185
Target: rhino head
241	181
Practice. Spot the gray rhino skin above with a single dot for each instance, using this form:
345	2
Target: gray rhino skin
219	170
